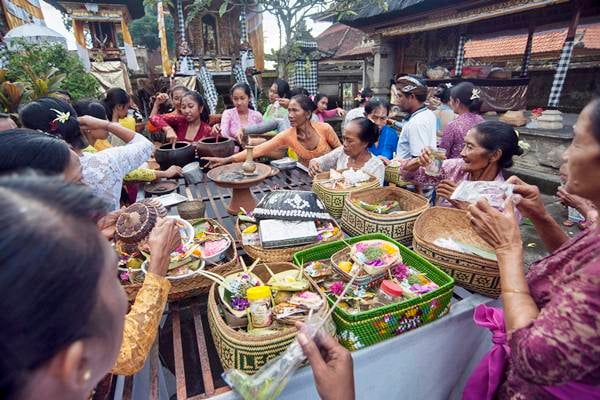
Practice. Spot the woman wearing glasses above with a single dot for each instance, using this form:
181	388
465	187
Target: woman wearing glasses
377	111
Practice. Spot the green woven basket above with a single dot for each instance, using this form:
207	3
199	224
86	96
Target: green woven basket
393	175
366	328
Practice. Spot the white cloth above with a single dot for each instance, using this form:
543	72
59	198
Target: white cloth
103	172
353	114
338	159
417	133
432	362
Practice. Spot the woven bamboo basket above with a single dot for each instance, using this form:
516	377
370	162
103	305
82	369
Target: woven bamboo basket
197	284
366	328
470	271
358	221
246	352
282	254
334	198
393	175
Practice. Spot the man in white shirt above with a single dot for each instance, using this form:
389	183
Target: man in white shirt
420	129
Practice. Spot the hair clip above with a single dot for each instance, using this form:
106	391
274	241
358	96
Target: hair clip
61	117
448	85
516	133
475	94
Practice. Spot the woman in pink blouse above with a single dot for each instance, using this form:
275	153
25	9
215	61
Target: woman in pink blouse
547	339
489	148
322	112
465	101
241	116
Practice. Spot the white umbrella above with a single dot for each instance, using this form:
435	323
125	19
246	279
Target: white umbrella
33	33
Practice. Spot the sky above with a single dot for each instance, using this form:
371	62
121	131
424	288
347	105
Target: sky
270	30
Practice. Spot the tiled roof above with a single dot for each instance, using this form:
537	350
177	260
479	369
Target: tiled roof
339	39
588	36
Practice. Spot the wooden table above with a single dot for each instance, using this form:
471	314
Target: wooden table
185	345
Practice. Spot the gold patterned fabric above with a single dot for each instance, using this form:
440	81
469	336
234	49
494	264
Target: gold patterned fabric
141	324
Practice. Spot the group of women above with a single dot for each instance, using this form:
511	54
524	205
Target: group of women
58	269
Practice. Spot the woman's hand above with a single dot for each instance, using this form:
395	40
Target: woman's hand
446	188
161	98
499	229
89	122
216	161
284	102
163	240
570	200
171	135
340	112
314	168
426	157
216	130
171	172
108	224
385	160
331	365
530	205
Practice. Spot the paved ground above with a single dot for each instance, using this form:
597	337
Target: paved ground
532	245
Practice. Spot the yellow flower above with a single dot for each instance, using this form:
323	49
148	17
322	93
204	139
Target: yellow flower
389	248
345	266
250	229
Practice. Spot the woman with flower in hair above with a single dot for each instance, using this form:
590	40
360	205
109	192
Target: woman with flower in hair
103	171
465	101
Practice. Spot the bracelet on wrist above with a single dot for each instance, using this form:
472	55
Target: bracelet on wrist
516	291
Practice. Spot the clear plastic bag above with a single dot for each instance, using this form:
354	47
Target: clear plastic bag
494	192
270	380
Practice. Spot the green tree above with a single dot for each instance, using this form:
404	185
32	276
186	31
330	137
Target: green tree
30	60
144	31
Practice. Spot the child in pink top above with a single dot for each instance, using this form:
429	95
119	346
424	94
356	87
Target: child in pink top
234	119
322	112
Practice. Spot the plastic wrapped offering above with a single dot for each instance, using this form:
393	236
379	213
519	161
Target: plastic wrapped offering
272	378
493	191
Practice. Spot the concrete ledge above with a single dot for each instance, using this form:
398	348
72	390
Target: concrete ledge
548	183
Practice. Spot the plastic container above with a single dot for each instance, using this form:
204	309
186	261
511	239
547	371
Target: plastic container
389	293
260	311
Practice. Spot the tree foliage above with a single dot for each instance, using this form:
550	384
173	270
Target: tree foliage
43	67
144	31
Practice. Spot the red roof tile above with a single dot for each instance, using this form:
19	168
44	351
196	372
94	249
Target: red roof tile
543	41
339	39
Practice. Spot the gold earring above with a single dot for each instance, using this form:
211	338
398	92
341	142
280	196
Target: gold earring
87	375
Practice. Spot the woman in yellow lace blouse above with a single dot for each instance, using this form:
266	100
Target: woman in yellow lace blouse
97	140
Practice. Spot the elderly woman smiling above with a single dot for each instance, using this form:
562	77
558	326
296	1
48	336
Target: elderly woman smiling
489	148
552	313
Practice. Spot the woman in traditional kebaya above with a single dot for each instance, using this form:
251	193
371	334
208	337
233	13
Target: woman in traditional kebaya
547	338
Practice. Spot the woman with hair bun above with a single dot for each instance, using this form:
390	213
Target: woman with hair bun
306	138
359	135
489	148
103	171
465	101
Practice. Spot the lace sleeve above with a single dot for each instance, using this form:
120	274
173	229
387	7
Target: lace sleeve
329	160
131	156
141	325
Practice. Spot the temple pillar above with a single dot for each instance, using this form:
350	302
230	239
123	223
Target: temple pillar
383	69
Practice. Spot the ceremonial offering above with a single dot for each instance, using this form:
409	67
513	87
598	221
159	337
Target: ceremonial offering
389	210
359	317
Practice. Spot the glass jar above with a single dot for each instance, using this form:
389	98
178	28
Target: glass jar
259	311
389	292
437	158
